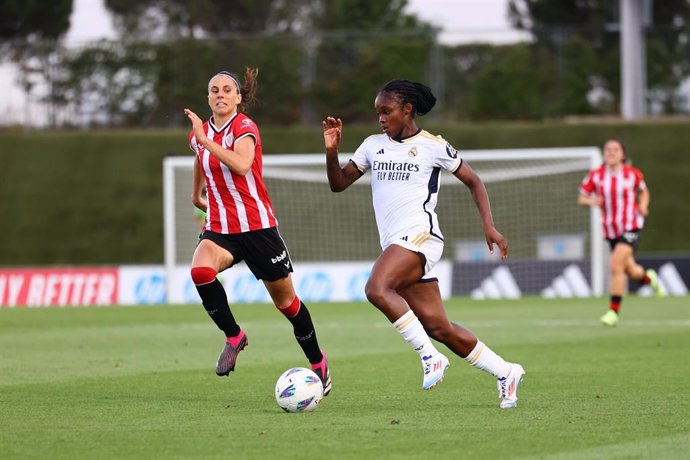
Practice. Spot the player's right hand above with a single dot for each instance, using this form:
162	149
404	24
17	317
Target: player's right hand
595	200
332	132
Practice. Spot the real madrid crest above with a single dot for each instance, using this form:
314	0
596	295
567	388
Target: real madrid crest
412	152
450	150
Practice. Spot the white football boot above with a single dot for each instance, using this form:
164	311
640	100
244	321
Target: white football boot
508	386
434	367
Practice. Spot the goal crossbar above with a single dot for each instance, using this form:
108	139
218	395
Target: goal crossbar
493	166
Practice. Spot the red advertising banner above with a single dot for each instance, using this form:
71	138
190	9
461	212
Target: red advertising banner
58	287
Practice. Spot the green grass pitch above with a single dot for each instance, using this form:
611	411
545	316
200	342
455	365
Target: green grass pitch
139	382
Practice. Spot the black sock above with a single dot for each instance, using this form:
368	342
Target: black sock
216	304
306	335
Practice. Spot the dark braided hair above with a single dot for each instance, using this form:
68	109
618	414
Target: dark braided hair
417	94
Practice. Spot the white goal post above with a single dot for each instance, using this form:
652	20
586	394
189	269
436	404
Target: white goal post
533	194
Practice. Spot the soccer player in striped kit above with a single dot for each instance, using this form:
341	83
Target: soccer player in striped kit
619	190
240	221
405	163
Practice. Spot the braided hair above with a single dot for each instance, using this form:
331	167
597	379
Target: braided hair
417	94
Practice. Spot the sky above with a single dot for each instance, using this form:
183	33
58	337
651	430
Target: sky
461	21
471	20
465	21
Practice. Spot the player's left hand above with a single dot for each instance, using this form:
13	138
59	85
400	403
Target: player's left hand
493	236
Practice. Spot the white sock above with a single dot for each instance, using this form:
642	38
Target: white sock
413	332
484	358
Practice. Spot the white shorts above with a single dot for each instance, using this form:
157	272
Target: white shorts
430	246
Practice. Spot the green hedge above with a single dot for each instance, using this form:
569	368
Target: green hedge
96	197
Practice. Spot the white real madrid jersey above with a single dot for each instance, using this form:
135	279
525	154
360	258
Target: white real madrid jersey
405	181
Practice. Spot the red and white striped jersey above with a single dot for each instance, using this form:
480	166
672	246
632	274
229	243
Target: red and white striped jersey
236	203
619	210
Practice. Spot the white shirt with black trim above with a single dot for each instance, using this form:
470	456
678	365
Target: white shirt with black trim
405	181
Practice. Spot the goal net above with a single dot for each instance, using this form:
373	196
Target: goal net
556	246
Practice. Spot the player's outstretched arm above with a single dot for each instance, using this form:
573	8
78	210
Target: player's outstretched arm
481	199
339	178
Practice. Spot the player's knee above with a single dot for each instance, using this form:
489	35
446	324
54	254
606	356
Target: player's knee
203	275
375	293
291	309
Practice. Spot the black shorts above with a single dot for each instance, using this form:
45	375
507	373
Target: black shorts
631	238
264	251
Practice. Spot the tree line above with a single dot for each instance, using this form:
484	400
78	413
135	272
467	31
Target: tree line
317	56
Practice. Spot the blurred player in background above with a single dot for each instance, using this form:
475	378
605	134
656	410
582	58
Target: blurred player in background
200	214
405	162
240	222
199	217
619	190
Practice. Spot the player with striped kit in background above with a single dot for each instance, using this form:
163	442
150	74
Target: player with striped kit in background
619	190
240	221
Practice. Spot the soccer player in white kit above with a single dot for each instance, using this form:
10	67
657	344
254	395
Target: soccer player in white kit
405	163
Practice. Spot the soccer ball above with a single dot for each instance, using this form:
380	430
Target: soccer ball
299	390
